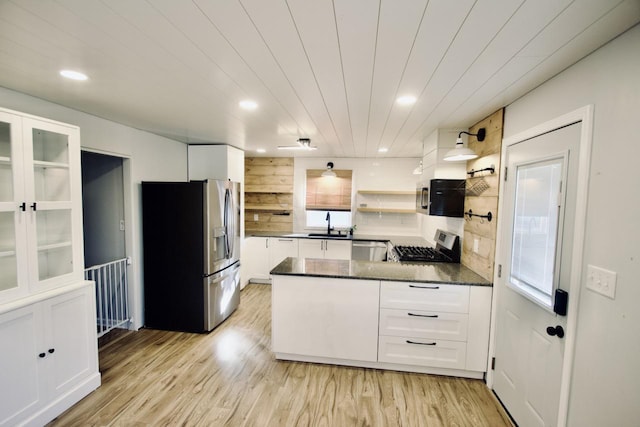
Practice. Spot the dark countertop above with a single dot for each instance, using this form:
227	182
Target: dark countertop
395	240
445	273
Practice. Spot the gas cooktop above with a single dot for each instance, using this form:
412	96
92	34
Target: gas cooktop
447	250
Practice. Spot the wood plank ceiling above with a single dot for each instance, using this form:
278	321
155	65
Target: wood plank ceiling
326	70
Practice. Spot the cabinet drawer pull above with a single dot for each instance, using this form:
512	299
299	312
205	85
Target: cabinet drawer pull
420	343
23	207
34	206
285	240
424	287
433	316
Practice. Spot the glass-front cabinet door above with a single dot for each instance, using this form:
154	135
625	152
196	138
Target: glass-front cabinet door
13	257
40	205
52	185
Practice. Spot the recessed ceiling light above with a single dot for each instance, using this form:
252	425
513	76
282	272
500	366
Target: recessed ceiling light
261	150
73	75
406	100
382	150
248	105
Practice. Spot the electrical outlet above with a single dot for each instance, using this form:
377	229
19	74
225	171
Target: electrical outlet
601	281
476	245
256	217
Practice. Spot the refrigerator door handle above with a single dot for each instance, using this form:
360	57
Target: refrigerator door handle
227	249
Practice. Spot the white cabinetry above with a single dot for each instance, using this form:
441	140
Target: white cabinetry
40	205
325	318
215	162
261	254
48	355
48	343
434	325
327	249
254	259
281	248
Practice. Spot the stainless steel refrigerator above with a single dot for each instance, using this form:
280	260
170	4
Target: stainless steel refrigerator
191	238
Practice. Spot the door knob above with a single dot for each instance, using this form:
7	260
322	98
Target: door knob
555	330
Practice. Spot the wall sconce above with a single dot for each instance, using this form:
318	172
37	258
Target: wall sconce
460	153
418	169
329	171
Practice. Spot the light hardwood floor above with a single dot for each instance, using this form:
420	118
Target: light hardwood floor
230	378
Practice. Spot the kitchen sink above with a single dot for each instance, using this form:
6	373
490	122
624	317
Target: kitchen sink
339	236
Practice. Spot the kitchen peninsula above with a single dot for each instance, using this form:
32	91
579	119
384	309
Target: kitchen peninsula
430	318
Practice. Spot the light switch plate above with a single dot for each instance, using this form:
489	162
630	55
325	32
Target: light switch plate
601	281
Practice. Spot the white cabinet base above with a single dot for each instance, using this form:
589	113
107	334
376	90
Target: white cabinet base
381	365
58	406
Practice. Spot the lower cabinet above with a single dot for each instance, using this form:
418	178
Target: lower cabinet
327	249
48	356
281	248
261	254
420	327
254	259
435	325
323	317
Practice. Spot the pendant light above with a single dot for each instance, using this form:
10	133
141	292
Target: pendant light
329	172
460	153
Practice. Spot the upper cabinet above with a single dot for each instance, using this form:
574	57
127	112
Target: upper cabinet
215	162
40	205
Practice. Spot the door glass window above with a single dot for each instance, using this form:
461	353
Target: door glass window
535	228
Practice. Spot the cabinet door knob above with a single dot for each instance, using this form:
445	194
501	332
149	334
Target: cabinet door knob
42	355
51	350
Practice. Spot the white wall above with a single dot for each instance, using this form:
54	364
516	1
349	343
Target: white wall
149	158
606	377
368	174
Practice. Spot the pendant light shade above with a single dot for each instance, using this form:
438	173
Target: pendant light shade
460	153
329	172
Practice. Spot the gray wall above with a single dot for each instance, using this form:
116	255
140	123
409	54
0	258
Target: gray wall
102	208
606	376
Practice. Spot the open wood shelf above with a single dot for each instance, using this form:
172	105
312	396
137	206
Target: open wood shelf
388	192
387	210
266	208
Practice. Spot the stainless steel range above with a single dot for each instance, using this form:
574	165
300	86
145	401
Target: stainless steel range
447	250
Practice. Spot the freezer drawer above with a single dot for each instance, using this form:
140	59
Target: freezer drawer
222	295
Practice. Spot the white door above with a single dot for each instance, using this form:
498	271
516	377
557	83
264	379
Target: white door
538	212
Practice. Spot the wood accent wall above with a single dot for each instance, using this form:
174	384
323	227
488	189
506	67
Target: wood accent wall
268	193
482	197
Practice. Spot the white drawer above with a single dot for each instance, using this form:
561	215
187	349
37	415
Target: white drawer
422	352
425	297
424	324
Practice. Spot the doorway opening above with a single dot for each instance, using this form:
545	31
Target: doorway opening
105	252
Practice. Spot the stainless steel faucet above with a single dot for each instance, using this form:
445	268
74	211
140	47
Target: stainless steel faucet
328	219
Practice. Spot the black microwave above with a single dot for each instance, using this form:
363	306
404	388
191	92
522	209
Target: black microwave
422	199
447	197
